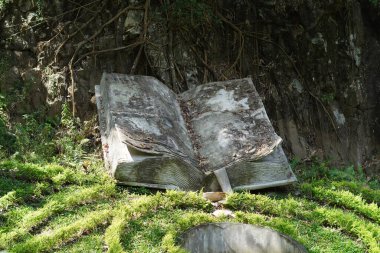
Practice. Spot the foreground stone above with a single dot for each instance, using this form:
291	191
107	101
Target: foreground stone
235	237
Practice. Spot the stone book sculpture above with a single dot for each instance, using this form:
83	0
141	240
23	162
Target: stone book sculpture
216	136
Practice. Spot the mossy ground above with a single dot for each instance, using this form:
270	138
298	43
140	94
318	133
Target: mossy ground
75	209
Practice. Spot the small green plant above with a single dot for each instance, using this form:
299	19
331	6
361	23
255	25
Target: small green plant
34	139
7	139
40	7
328	97
317	170
69	138
3	4
189	14
7	200
374	2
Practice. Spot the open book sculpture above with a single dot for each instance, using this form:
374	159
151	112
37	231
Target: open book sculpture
216	136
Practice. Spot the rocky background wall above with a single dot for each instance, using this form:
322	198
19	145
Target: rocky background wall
316	64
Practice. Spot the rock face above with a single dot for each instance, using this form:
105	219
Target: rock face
314	63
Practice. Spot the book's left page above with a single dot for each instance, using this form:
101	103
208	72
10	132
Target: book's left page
140	119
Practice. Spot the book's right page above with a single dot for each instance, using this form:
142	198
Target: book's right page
228	123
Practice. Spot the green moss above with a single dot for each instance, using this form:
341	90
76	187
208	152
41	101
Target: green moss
345	199
114	231
314	237
310	211
58	203
59	236
66	210
7	200
93	242
358	188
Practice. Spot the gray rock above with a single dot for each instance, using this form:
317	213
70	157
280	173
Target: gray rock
237	238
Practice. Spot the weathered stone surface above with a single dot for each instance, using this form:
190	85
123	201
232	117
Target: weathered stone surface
165	172
214	196
271	170
145	114
150	140
237	238
229	123
132	23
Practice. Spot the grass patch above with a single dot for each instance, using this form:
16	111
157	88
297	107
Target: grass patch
62	209
93	242
368	193
302	209
314	237
7	200
145	204
58	203
345	199
49	241
54	174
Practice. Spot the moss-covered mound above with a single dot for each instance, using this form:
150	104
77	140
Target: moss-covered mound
59	209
